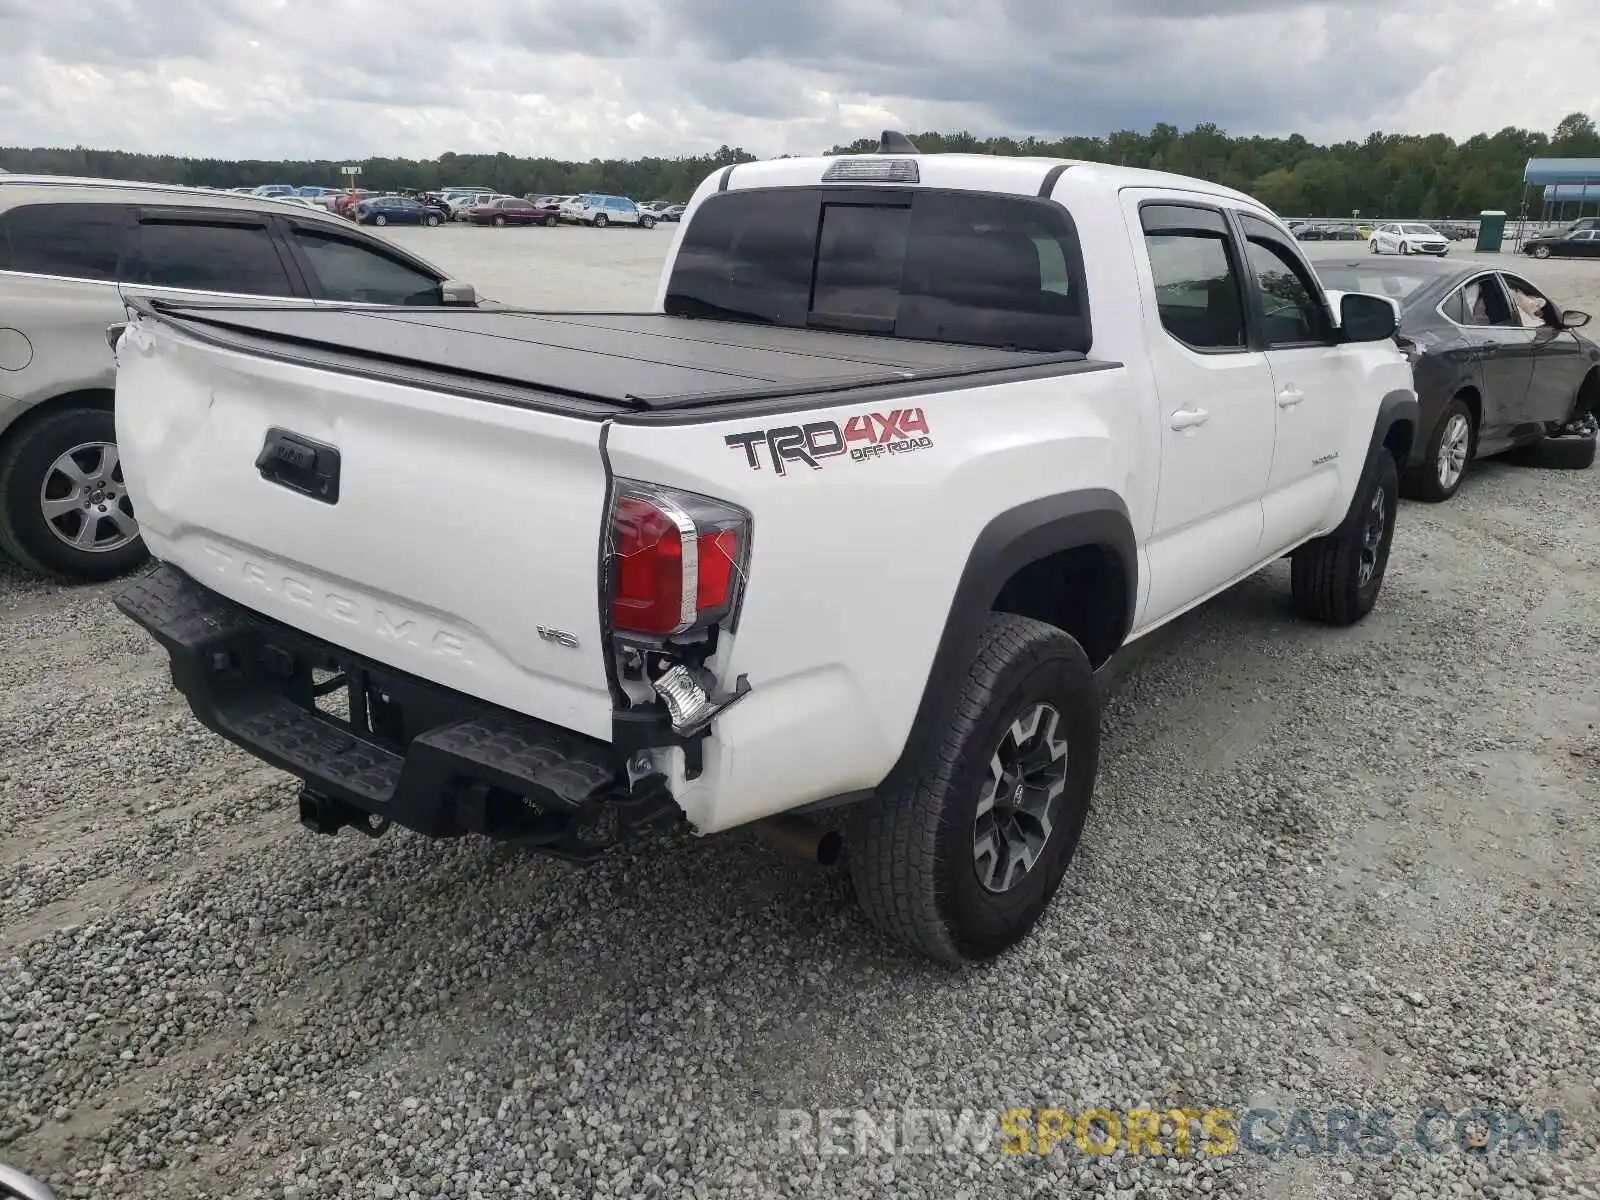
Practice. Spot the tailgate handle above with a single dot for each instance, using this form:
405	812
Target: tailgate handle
300	464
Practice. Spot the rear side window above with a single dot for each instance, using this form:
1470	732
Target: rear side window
210	258
965	267
355	274
78	241
1292	310
1197	280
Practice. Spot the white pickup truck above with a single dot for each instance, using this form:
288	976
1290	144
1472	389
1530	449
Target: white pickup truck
909	447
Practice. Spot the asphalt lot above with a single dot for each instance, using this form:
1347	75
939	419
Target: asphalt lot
1327	870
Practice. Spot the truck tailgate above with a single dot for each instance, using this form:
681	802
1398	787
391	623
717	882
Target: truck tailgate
321	499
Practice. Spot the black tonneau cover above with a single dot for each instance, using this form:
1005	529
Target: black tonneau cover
631	360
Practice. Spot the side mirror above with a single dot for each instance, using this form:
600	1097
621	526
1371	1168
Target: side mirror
1365	318
1573	319
455	294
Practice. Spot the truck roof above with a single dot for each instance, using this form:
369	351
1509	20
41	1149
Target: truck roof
981	172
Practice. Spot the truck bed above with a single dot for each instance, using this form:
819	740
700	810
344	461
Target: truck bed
596	362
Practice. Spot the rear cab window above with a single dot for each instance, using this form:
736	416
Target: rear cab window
974	268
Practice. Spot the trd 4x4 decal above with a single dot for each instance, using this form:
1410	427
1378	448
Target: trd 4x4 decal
863	437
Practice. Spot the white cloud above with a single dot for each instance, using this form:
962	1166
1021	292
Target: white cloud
608	78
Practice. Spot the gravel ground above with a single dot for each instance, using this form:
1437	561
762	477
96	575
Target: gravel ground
1327	870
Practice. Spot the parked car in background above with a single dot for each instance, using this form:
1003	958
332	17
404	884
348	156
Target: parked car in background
1581	243
461	205
396	210
1458	233
1408	237
601	211
1497	364
512	210
674	212
343	203
71	252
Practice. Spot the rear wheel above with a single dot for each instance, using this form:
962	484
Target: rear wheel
1405	247
1444	465
380	219
960	858
1336	578
499	222
601	221
1541	251
64	508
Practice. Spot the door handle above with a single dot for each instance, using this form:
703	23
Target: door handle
1189	418
1290	396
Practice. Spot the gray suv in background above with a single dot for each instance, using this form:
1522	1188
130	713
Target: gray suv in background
71	252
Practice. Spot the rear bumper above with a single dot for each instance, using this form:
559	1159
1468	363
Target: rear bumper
374	746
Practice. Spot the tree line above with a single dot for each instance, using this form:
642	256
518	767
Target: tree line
1429	176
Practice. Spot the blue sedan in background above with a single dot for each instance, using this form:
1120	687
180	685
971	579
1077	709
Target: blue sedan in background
394	210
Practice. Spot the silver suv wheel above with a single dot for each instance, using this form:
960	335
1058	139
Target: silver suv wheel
84	501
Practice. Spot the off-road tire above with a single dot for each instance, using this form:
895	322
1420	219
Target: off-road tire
1421	482
25	537
910	849
1325	574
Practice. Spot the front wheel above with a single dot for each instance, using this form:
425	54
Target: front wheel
960	858
64	508
647	222
1444	465
431	220
1373	245
1541	251
499	222
549	222
1336	578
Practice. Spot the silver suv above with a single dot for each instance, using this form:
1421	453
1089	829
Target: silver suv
71	251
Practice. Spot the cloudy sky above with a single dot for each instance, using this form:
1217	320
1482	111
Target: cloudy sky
602	78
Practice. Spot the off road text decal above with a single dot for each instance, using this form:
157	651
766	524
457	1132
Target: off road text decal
863	437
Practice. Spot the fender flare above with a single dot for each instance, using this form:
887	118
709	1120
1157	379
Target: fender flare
1010	541
1395	407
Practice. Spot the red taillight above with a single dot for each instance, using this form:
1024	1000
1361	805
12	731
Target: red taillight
676	559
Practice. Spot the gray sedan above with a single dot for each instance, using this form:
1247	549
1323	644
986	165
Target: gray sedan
1498	364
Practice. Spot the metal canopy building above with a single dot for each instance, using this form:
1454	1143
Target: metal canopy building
1560	189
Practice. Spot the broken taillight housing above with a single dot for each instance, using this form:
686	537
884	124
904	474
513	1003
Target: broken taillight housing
675	560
